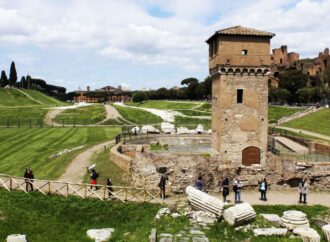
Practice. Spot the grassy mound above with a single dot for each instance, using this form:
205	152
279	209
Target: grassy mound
190	112
192	123
317	122
84	115
138	116
163	104
56	218
34	146
46	100
275	113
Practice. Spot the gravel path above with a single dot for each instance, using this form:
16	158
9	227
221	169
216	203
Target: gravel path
77	168
321	136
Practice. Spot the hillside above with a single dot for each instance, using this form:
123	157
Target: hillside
19	98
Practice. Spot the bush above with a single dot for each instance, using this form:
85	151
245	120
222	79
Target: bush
139	97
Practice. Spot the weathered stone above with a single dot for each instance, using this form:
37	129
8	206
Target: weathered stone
149	129
153	236
293	219
200	239
162	212
272	218
201	201
307	234
176	215
326	231
17	238
183	130
270	232
319	222
100	235
135	130
166	238
199	129
239	214
167	128
196	232
202	217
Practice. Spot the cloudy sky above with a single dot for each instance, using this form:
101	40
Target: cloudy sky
143	43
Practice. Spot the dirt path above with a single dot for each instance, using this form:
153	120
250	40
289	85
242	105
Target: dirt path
30	97
286	197
77	168
112	113
321	136
51	115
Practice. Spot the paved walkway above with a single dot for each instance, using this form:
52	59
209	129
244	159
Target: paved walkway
76	171
290	144
317	135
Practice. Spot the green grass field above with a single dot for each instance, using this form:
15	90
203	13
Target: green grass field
33	146
192	123
138	116
317	122
84	115
275	112
46	100
190	112
56	218
205	107
163	104
22	116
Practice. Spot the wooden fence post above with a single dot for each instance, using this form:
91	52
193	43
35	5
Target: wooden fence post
49	188
10	184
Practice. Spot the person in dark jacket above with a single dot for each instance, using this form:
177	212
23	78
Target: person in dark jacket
199	183
109	187
263	187
162	186
303	189
225	189
94	176
28	175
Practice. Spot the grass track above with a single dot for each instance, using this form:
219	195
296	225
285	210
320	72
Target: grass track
138	116
163	104
275	112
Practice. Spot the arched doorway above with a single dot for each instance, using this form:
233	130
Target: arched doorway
250	155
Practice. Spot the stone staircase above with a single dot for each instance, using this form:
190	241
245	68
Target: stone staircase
296	115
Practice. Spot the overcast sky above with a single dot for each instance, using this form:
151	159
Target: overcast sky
143	43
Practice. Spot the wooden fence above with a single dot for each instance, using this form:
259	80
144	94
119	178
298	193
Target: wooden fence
85	191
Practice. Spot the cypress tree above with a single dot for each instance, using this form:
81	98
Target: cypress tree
23	82
12	74
4	79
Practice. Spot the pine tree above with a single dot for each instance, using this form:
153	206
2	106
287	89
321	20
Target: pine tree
4	79
12	74
23	82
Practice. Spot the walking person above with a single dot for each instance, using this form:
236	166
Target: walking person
225	189
199	183
28	178
302	189
263	187
94	177
237	187
109	187
162	186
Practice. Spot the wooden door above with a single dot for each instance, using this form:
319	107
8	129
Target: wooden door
251	155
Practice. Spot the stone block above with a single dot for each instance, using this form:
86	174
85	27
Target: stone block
293	219
163	211
17	238
153	236
270	232
202	217
239	214
100	235
307	234
272	218
326	231
203	202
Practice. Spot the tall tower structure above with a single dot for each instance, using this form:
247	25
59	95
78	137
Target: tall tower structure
239	65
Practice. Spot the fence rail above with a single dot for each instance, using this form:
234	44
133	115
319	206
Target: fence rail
82	190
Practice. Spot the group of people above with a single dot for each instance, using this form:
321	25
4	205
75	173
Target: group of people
94	175
237	187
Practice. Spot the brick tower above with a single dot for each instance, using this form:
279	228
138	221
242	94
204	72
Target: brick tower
239	64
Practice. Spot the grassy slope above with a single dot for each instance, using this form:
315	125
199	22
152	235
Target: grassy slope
33	146
84	115
138	116
55	218
162	104
205	107
12	97
317	122
275	113
46	100
194	112
192	123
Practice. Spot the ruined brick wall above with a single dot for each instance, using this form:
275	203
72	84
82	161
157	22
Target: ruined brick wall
236	126
122	161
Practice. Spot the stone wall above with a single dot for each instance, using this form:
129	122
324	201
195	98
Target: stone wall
322	148
121	160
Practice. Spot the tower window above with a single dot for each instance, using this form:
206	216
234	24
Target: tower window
239	95
244	52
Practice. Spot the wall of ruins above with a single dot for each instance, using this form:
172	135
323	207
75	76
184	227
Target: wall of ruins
121	160
236	126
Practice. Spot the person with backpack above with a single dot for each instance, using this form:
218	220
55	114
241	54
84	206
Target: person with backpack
199	183
94	177
263	187
28	178
109	187
225	189
162	186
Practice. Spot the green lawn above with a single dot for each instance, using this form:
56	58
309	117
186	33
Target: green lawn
106	169
22	116
56	218
317	122
205	107
163	104
46	100
191	123
190	112
33	146
275	113
84	115
138	116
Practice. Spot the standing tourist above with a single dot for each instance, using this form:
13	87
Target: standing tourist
225	189
237	187
94	176
162	186
263	186
199	183
302	189
109	187
28	177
